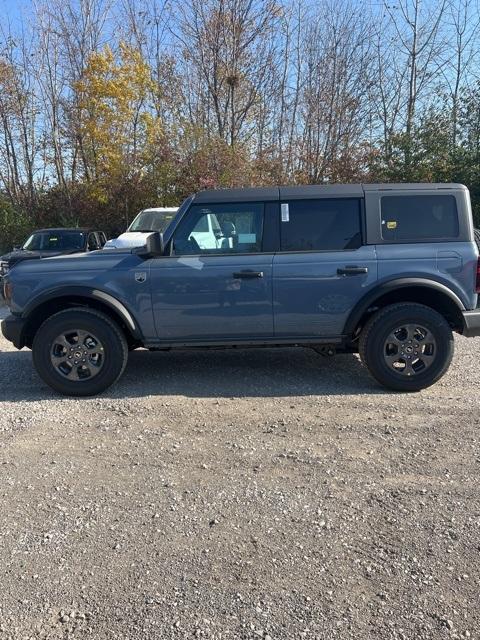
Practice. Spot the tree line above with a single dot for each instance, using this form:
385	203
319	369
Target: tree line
109	106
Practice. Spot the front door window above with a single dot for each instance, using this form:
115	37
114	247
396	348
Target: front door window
220	229
216	284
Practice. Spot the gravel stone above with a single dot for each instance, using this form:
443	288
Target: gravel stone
251	493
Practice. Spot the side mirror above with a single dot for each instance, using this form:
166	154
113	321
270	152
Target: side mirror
16	248
154	246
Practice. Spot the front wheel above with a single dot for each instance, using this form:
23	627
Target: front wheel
79	352
407	346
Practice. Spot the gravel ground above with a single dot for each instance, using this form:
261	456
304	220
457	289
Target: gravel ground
249	494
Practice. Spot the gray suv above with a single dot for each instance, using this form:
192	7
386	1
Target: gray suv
388	271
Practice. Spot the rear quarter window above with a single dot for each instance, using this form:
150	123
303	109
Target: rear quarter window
417	218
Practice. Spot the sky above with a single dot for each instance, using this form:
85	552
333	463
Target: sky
11	12
15	12
11	8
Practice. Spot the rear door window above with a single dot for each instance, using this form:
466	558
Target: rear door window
422	217
327	224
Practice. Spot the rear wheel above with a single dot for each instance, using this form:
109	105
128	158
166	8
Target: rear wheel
407	346
79	352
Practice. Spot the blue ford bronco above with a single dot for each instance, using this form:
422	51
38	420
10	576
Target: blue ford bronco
388	271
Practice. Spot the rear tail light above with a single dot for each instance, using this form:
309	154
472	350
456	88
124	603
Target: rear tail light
478	276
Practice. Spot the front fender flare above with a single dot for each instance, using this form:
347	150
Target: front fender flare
92	293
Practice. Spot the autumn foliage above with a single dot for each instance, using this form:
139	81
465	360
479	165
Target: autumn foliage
108	108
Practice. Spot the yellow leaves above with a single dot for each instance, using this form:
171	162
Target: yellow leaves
116	122
124	82
153	129
12	94
6	73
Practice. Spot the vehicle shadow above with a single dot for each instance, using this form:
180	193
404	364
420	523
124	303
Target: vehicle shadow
204	374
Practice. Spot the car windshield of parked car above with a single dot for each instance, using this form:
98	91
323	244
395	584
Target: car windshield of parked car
55	241
152	221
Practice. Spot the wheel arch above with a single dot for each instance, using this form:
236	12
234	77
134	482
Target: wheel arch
427	292
49	303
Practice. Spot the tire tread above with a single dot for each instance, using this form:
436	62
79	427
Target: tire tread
371	326
112	325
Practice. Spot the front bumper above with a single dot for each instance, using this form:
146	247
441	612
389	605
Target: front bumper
471	323
13	329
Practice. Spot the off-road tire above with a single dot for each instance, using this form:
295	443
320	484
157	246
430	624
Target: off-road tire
109	333
383	322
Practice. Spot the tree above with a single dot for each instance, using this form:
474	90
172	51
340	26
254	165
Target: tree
465	22
22	149
410	54
115	121
226	47
334	84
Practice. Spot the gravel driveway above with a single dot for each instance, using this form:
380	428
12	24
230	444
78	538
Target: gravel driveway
240	494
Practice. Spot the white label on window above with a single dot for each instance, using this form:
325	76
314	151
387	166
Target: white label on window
247	238
285	213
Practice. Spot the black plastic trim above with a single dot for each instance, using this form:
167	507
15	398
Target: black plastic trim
471	323
238	342
13	329
86	292
271	227
386	287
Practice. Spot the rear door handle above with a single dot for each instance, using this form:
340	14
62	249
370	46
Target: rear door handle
352	271
248	274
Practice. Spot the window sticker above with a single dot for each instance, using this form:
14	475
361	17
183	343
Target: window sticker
247	238
391	224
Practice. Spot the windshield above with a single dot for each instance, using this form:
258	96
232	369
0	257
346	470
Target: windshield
152	221
55	241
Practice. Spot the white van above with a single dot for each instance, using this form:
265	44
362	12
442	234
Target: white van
148	220
208	233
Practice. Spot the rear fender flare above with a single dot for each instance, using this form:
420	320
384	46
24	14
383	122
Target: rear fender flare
386	287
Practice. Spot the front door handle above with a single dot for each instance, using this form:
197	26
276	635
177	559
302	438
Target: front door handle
352	271
248	274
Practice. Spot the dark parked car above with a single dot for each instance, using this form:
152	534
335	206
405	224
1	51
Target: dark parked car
388	271
53	242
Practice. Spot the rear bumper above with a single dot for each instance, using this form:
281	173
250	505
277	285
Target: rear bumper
13	330
471	323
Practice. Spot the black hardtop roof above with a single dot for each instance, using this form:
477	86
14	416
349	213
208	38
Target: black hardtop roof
235	195
312	191
73	229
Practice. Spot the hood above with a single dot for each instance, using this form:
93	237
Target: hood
79	263
128	240
16	256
